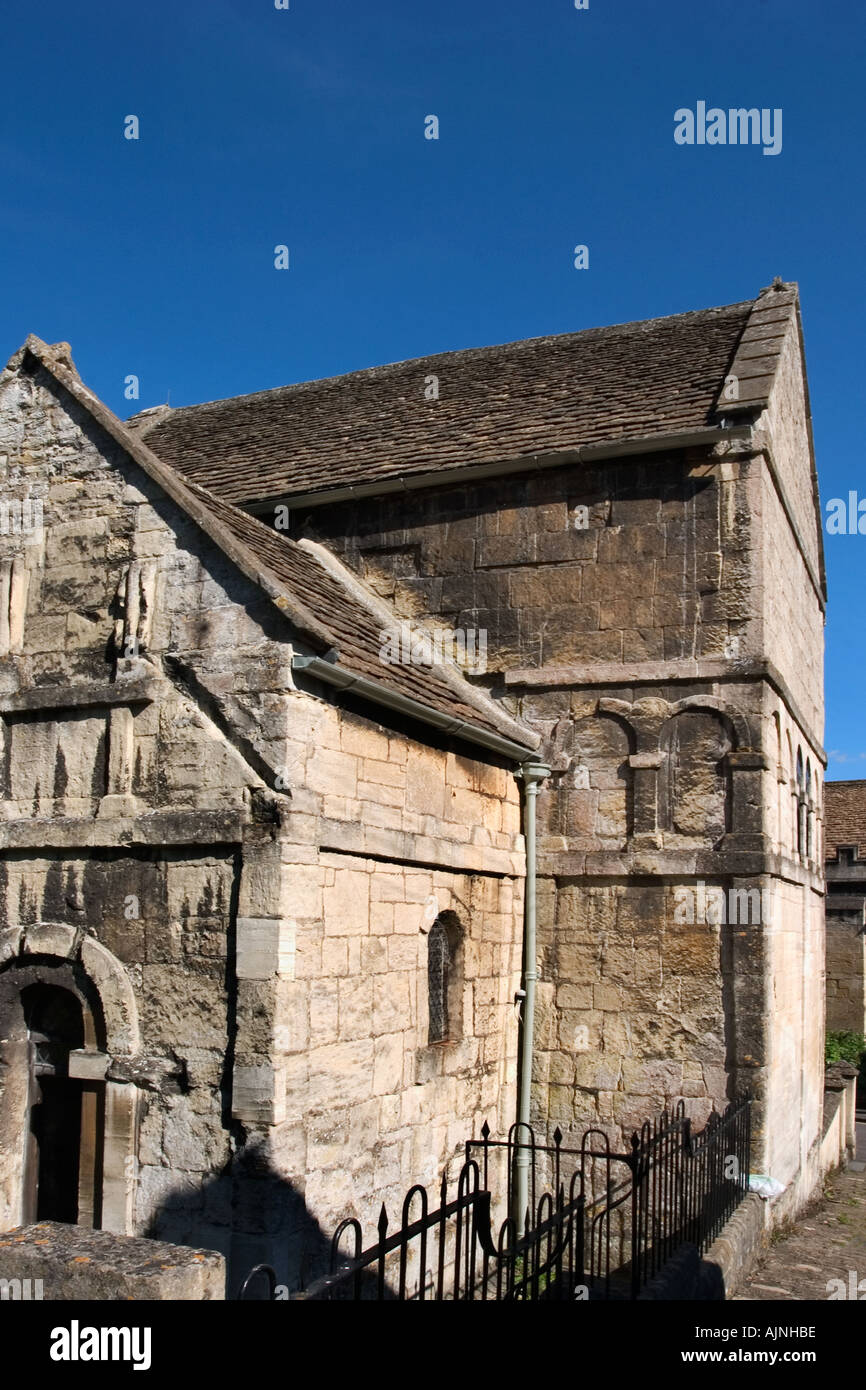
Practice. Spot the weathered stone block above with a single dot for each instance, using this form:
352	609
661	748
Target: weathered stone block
73	1263
388	1064
265	947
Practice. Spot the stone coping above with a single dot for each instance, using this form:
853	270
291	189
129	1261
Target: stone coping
73	1262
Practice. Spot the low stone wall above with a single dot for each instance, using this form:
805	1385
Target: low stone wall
838	1141
57	1263
688	1277
743	1238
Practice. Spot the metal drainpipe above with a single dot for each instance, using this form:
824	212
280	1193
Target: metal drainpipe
530	774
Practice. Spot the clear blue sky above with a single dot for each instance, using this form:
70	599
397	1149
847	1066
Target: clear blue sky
305	127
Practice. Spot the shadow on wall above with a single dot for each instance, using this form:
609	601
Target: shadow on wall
251	1215
267	1223
686	1278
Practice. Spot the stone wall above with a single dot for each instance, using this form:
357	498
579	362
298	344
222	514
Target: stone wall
642	581
787	423
268	1038
140	691
846	935
165	916
792	620
846	968
794	1050
633	1013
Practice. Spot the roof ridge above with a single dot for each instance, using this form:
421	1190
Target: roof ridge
451	354
542	397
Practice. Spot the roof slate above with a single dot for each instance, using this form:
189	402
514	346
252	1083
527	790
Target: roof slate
539	396
358	628
844	816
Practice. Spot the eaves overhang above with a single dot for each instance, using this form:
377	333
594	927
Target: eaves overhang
522	463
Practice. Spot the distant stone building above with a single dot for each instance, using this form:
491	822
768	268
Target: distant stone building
845	867
263	864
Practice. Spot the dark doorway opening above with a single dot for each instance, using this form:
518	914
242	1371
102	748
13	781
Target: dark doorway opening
63	1178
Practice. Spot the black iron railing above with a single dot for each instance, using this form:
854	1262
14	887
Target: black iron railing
598	1224
684	1187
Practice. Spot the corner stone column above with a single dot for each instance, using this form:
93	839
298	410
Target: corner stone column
744	957
265	956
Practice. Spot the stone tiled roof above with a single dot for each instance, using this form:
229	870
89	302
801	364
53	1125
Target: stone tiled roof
358	626
540	396
844	816
337	617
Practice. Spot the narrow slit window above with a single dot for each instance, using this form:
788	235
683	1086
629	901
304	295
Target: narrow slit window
438	965
801	807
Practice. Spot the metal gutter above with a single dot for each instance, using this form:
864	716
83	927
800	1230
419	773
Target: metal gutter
531	774
404	704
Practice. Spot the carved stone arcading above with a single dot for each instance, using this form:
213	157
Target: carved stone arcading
649	720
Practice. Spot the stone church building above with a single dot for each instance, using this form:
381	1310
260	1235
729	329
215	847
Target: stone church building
282	678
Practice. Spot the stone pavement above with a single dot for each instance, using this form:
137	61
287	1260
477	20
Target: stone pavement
827	1242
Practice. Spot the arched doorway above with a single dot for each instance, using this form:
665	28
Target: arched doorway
55	1110
69	1058
62	1178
